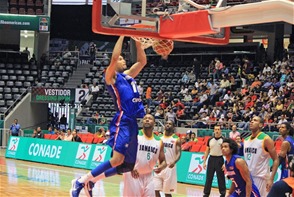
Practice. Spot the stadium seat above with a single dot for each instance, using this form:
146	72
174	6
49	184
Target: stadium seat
47	136
98	140
89	139
53	137
195	148
203	148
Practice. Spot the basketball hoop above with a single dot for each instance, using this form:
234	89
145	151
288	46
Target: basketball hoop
161	47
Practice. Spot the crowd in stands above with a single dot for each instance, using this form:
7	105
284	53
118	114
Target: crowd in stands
231	94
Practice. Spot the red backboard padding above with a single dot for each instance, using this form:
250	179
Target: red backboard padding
186	24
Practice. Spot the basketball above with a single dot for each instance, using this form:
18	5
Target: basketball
163	47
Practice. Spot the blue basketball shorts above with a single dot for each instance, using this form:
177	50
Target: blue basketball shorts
124	136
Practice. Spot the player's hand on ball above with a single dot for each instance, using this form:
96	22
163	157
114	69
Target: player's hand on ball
135	174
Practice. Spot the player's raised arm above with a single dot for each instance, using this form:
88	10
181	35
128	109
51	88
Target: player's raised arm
111	69
141	61
244	171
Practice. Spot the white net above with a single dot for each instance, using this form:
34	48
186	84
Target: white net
145	42
161	47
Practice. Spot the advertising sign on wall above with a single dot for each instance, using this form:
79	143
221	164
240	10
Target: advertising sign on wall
88	156
25	22
64	153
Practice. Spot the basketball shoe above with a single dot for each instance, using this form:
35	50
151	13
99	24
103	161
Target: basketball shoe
89	188
76	188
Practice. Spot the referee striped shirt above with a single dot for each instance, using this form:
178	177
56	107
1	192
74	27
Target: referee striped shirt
215	146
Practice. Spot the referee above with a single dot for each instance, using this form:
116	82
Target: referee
215	163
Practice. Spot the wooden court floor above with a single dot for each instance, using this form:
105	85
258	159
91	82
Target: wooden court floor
30	179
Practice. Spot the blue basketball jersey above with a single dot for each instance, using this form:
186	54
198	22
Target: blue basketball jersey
234	175
285	171
291	141
126	96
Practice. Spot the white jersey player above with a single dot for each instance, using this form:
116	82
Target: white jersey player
258	149
139	182
166	180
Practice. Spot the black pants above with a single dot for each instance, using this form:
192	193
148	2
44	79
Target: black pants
14	134
215	164
95	95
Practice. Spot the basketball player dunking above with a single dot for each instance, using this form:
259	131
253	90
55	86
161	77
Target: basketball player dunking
123	127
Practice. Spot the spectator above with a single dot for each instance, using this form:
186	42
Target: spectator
94	91
61	135
170	115
33	60
224	86
217	69
75	137
238	139
68	136
255	84
234	133
185	78
148	95
196	68
15	128
187	97
267	69
63	122
140	89
193	137
50	131
184	90
100	133
34	133
177	103
107	136
159	114
26	51
191	76
185	146
102	120
39	133
92	50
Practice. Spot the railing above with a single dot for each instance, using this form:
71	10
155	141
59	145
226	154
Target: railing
226	124
15	102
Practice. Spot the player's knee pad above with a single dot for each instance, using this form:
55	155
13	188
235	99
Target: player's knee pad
125	167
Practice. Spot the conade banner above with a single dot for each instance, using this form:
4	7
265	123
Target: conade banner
88	156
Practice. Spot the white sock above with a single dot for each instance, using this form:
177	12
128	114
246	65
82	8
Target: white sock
85	178
97	178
